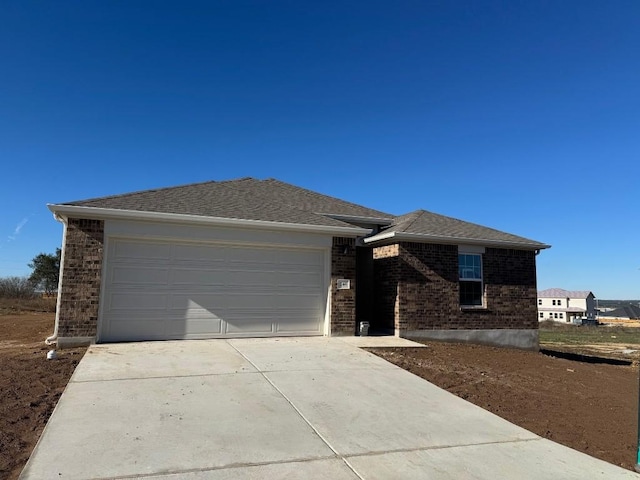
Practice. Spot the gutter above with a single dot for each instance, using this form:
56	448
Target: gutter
54	337
75	211
421	237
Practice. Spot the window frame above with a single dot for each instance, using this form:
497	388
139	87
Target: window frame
476	278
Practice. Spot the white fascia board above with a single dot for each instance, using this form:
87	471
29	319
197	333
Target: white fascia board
423	238
75	211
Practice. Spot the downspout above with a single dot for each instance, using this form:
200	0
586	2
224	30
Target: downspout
54	338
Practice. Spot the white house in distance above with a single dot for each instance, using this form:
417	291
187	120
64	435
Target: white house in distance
566	306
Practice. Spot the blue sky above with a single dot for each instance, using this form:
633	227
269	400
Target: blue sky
519	115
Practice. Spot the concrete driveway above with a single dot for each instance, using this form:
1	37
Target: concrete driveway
279	408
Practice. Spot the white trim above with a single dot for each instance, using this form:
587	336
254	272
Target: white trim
471	249
426	238
111	213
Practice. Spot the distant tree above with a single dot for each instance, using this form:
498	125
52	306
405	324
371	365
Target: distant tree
16	287
46	270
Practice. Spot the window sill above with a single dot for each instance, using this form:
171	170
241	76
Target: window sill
473	308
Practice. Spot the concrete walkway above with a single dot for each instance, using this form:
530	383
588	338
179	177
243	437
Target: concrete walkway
280	408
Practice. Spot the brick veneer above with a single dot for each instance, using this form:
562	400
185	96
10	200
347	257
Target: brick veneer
418	284
80	292
343	302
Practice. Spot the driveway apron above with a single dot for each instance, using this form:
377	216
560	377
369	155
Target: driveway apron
279	408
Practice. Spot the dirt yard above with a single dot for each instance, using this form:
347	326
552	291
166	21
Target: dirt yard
30	385
589	407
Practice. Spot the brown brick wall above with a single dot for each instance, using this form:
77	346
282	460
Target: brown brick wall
417	286
428	287
343	302
80	293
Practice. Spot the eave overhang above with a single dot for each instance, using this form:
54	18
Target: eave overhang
75	211
393	237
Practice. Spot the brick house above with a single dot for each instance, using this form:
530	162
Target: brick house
257	258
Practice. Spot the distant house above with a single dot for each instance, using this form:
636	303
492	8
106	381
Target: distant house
566	306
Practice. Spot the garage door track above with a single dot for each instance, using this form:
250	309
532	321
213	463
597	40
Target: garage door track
279	408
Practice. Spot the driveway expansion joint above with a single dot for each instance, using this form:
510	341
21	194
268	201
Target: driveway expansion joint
229	466
315	430
441	447
161	377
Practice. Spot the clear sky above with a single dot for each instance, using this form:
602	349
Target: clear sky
519	115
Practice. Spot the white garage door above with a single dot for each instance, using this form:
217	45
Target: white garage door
161	290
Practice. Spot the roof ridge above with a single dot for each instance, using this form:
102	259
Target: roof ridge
157	189
416	215
322	195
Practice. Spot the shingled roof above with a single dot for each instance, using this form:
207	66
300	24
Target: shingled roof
246	198
249	199
423	226
561	293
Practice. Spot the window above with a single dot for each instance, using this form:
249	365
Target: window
555	315
470	275
561	315
539	301
559	302
541	315
553	302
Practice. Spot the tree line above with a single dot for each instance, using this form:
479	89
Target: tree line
45	272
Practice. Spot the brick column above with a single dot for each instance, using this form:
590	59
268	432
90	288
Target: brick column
343	302
81	279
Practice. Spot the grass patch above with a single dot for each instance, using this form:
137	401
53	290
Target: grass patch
587	335
13	306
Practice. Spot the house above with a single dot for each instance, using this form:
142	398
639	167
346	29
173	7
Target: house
259	258
566	306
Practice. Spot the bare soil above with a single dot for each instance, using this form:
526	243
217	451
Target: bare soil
589	407
30	385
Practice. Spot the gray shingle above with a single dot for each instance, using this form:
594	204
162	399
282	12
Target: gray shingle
246	198
561	293
422	222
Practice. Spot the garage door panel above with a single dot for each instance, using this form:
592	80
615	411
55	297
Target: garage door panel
250	301
301	301
194	326
296	324
181	277
138	329
137	301
192	301
249	325
163	290
142	275
205	253
125	249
